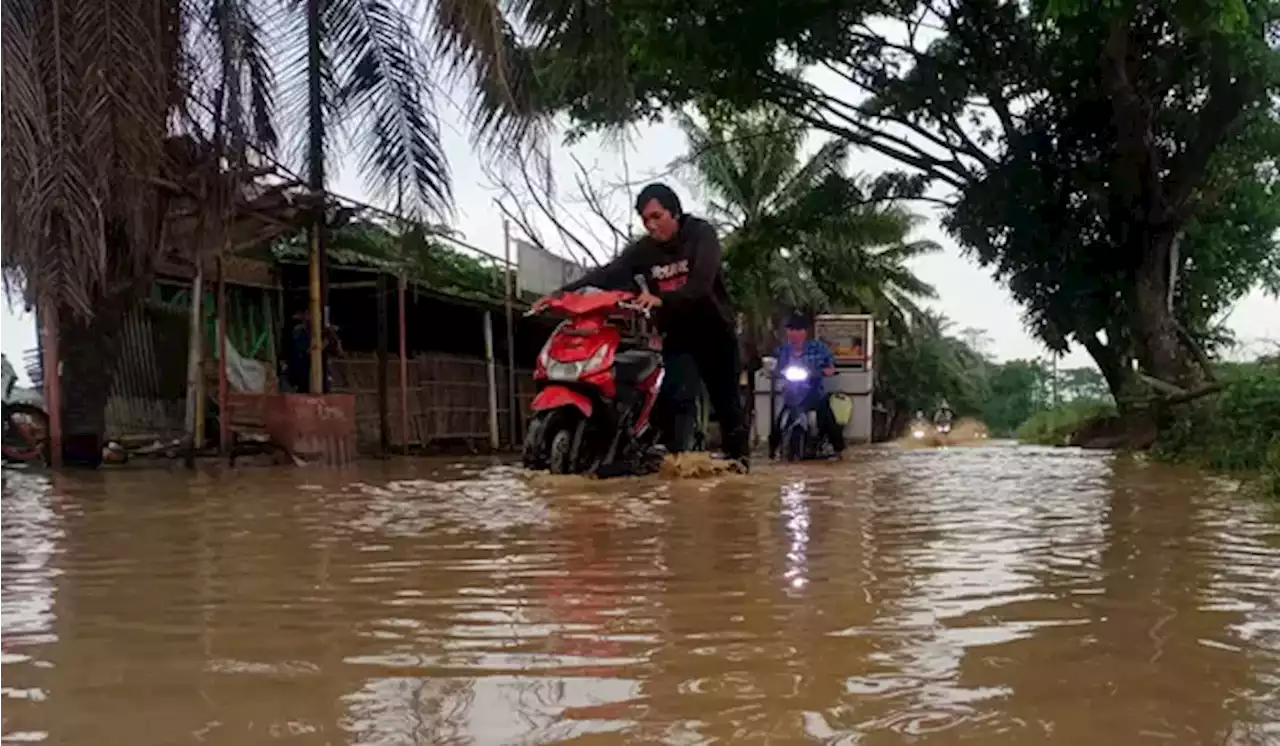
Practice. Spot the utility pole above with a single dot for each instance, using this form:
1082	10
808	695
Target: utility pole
1056	401
513	400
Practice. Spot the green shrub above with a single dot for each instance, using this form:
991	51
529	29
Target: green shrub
1237	429
1269	484
1053	427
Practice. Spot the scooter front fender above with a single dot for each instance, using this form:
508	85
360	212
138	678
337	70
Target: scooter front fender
792	417
555	397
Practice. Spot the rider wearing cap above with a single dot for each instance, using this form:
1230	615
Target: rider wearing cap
814	355
945	415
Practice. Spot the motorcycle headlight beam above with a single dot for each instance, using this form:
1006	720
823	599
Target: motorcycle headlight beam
795	373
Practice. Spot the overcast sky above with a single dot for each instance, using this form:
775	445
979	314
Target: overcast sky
967	294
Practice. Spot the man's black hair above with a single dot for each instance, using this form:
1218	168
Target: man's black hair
798	320
665	196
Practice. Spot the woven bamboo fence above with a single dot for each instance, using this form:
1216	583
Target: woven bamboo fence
448	397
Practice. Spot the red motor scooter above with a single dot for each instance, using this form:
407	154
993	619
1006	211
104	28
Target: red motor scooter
594	402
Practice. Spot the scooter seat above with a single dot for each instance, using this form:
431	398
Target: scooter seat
633	366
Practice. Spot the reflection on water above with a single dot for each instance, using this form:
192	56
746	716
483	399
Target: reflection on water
995	595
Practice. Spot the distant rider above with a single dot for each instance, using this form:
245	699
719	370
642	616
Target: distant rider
944	415
680	259
815	356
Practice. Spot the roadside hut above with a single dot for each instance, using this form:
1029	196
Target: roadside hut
454	335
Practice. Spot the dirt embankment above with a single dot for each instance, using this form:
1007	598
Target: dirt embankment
1136	432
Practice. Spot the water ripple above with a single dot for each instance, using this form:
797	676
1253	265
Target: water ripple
988	595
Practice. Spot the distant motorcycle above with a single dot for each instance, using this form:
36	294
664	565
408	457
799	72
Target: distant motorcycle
26	424
920	427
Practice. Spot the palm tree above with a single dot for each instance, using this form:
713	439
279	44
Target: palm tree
107	101
801	233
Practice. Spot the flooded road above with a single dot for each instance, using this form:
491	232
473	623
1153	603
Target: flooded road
993	595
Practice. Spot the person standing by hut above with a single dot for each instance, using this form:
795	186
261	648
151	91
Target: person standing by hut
297	367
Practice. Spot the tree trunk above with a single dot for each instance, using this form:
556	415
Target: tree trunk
1115	367
1159	345
88	351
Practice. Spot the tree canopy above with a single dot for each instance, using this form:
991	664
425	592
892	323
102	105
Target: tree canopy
110	106
1114	163
801	233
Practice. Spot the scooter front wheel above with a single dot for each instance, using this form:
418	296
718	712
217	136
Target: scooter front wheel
554	442
561	456
536	455
795	445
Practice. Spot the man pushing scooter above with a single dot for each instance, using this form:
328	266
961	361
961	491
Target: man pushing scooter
681	259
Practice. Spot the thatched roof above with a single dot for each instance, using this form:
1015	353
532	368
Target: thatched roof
260	214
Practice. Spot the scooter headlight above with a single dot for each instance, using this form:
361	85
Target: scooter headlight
795	373
917	434
561	371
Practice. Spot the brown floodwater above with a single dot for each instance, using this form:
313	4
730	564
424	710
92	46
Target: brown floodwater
984	595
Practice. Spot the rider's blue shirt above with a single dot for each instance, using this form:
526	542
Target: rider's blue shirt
815	355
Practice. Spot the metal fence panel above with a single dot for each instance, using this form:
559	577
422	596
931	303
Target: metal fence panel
540	272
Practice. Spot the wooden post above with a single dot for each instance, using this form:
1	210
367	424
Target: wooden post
51	364
224	413
317	321
195	363
318	261
508	289
384	425
404	371
492	369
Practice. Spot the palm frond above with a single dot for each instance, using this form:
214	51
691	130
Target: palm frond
381	71
293	103
90	88
260	83
830	160
27	129
713	168
476	40
907	250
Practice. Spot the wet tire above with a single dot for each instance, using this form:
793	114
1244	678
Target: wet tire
534	456
793	449
561	454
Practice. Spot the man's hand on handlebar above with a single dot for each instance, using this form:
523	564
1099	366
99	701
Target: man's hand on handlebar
647	301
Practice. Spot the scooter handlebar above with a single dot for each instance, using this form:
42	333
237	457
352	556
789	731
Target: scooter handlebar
629	306
625	305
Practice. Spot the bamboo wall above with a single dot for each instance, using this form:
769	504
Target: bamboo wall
448	394
148	387
448	397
